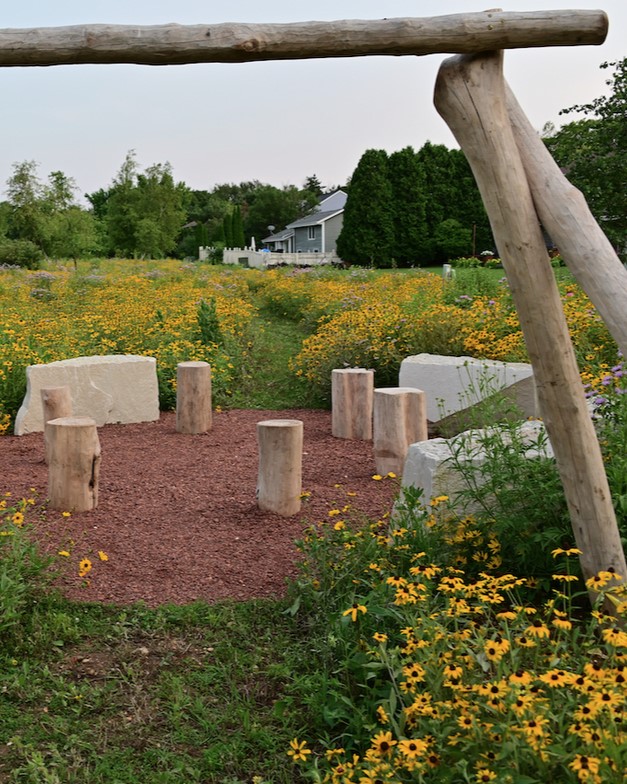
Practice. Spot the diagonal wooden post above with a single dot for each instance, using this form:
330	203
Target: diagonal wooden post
565	215
470	96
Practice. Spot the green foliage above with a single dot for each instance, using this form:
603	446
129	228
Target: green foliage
144	211
208	323
452	239
227	228
409	198
22	253
593	153
368	228
434	675
239	240
25	576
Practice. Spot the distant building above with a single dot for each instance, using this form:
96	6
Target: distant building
314	233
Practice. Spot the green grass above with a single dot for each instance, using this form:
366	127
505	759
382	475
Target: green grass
266	381
197	693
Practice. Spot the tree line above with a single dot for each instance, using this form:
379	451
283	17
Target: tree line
403	208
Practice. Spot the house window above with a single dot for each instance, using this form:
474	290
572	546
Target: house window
311	232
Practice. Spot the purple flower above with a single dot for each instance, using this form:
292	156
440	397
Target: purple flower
599	401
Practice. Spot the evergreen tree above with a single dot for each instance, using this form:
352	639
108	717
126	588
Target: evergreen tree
407	181
367	234
227	224
239	240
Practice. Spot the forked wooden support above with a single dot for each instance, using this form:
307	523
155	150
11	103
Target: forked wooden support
565	215
470	96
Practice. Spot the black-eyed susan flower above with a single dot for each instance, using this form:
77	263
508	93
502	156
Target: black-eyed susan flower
605	699
414	673
355	610
17	518
298	750
534	727
485	774
584	766
416	747
382	743
538	629
556	678
615	636
102	555
84	567
382	715
520	677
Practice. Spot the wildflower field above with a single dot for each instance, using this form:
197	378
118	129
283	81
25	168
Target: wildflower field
178	312
437	644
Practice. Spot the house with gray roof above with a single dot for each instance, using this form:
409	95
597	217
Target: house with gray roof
314	233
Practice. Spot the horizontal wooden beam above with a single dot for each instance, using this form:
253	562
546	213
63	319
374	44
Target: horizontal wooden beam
174	44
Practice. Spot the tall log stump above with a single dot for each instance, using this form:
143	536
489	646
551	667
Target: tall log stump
56	402
400	419
74	468
352	400
279	482
193	397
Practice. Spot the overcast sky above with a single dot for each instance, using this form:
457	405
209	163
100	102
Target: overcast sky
277	122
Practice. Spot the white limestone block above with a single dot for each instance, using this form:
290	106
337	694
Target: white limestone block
456	384
429	465
120	388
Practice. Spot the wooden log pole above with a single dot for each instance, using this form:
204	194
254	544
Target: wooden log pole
56	402
74	468
400	419
470	96
279	482
565	215
174	44
352	400
193	397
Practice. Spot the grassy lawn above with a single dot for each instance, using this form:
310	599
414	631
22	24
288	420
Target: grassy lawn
132	695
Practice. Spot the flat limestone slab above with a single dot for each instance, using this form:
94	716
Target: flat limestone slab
456	384
430	468
120	388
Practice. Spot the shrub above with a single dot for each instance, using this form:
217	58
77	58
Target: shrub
21	253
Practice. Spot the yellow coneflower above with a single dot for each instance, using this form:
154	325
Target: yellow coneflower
298	751
84	567
538	629
355	610
382	743
413	748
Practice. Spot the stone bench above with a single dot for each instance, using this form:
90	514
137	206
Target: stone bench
120	388
454	385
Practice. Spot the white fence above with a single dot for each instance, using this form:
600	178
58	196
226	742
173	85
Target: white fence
247	257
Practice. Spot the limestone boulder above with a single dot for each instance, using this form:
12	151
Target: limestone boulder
454	385
120	388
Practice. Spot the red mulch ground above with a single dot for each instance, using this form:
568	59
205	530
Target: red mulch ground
177	514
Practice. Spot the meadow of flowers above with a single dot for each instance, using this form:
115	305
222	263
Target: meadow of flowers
443	674
354	318
429	658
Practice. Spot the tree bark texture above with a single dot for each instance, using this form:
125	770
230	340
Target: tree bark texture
400	419
56	402
352	397
174	44
279	482
470	96
565	215
74	467
193	397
